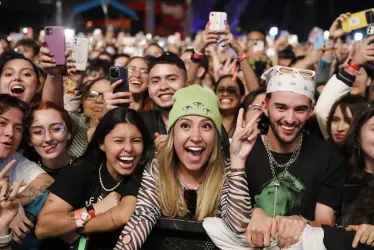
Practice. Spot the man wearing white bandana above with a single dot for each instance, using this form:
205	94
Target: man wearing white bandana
294	178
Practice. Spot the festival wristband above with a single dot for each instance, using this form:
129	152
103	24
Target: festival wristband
7	238
91	210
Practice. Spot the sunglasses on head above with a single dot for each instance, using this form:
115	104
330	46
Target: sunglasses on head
301	72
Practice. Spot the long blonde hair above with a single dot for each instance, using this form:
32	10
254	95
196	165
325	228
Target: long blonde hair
171	191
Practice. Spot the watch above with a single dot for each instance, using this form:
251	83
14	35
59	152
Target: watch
91	210
7	238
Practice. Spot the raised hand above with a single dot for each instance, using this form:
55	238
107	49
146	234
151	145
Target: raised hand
208	37
9	206
113	100
336	30
243	139
228	38
48	63
364	51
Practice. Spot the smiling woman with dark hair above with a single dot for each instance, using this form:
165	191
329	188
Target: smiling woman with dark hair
97	194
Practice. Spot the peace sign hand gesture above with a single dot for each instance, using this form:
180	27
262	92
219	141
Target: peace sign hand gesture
243	140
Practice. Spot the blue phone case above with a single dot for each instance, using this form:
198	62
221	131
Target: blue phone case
123	75
319	41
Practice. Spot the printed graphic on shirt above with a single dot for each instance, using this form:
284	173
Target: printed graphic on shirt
288	195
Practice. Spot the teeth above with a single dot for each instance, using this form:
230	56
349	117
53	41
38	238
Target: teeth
287	128
126	158
135	82
195	148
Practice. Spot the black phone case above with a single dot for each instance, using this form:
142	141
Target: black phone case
124	86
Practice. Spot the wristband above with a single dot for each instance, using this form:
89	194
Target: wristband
234	170
243	56
353	65
7	238
6	246
82	220
91	210
198	52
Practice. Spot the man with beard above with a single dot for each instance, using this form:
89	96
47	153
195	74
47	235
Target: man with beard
293	178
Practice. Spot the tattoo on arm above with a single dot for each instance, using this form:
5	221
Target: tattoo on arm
36	192
71	216
110	213
49	201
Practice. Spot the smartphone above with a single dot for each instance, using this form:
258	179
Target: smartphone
258	45
55	41
119	73
80	52
217	21
359	20
319	41
293	39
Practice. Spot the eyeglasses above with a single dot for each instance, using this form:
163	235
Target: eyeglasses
254	107
301	72
57	131
94	95
143	72
190	197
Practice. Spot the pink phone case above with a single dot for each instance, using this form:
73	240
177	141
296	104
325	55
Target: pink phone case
55	41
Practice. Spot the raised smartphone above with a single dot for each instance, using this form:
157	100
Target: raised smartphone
80	52
117	73
217	21
319	41
55	42
359	20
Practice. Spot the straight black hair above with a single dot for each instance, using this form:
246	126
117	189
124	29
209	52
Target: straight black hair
114	117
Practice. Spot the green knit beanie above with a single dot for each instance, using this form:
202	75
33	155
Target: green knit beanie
195	100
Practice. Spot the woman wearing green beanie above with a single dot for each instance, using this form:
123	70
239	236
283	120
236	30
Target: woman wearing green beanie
190	179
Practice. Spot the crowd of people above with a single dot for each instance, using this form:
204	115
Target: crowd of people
263	151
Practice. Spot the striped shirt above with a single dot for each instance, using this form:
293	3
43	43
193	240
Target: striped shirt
235	207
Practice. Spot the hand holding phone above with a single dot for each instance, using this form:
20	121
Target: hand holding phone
358	20
119	73
80	52
55	42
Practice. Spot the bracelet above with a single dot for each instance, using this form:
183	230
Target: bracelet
305	220
351	70
7	245
234	170
242	56
198	52
91	210
353	65
7	238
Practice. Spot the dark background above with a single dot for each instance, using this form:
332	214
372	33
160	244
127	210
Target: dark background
297	16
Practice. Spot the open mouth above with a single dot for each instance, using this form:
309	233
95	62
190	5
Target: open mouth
17	89
195	152
289	129
226	100
126	161
165	97
135	82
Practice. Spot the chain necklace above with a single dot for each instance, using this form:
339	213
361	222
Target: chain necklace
294	155
272	161
102	184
